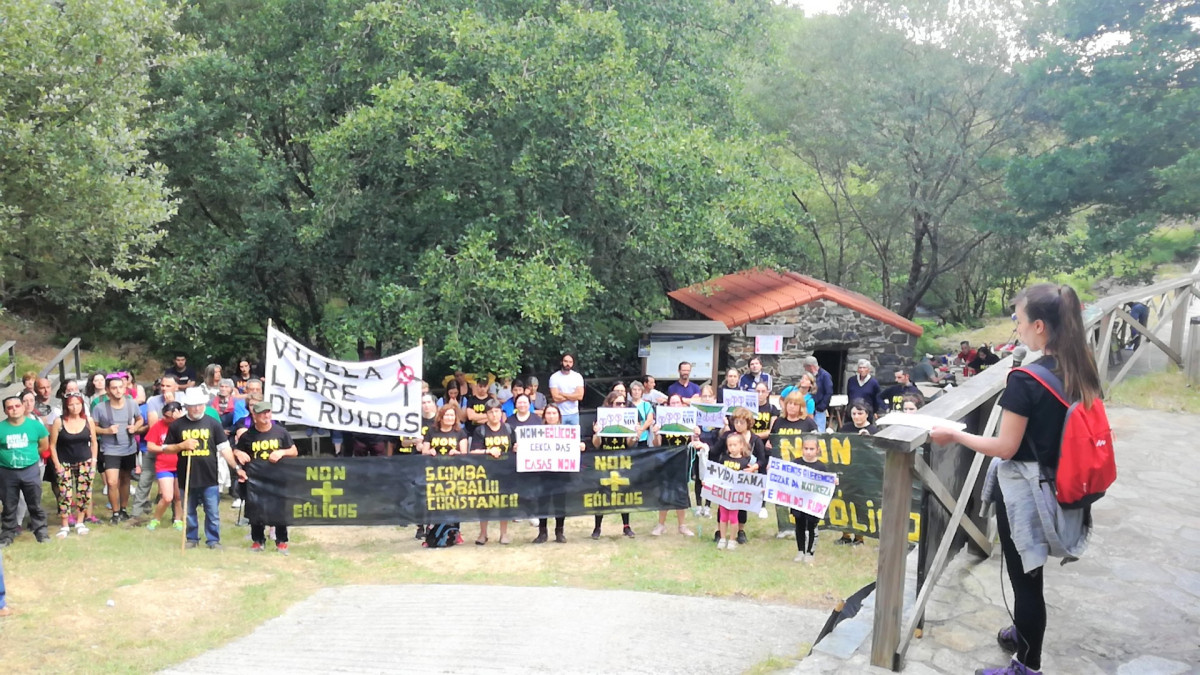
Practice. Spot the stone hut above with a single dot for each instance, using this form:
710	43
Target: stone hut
799	316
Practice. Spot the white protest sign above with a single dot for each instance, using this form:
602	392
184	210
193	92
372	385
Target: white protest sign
799	487
739	490
709	415
734	398
926	422
552	447
675	421
375	397
617	422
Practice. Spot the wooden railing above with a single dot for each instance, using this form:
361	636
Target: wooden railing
8	375
1109	326
71	350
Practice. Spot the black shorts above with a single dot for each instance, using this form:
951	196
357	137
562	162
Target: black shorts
122	462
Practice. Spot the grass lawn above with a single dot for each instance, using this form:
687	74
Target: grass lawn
169	606
1167	390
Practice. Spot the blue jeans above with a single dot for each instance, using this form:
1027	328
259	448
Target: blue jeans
210	495
821	418
571	419
1	580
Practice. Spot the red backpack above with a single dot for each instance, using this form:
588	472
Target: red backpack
1087	465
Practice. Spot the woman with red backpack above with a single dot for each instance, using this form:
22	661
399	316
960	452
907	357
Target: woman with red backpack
1030	444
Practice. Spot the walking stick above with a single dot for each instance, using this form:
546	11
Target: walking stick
187	477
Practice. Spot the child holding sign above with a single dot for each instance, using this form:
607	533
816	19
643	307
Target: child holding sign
737	456
806	524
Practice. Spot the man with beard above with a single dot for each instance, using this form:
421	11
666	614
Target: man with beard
201	443
893	396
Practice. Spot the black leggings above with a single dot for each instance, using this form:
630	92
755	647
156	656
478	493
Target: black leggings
624	520
1029	603
805	525
558	523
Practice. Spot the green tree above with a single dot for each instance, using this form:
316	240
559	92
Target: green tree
904	115
81	206
500	179
1118	92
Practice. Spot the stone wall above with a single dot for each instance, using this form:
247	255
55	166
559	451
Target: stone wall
825	325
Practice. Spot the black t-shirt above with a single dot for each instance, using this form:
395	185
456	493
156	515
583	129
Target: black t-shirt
849	428
762	419
613	443
1025	396
260	444
757	448
203	460
531	421
443	442
184	378
675	440
487	438
893	396
785	427
735	463
476	404
982	361
815	465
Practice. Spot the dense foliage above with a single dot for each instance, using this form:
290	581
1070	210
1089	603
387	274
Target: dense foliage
504	179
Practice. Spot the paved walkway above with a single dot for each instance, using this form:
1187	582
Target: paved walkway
500	629
1131	606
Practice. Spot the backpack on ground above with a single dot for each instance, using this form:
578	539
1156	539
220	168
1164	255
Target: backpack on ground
441	536
1087	465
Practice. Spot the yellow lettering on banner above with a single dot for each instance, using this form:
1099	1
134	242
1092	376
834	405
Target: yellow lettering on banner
464	487
450	473
840	450
614	481
612	463
599	500
324	473
787	449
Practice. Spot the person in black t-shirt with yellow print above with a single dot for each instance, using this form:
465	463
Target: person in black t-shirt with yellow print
494	438
613	400
446	437
264	442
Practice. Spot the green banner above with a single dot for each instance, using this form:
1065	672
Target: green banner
855	507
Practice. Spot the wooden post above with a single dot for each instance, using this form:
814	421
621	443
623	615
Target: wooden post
1179	319
893	549
1192	359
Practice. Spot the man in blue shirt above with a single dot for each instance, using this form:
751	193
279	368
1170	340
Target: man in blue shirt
689	391
823	393
750	380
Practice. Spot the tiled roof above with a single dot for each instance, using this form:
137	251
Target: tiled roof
742	297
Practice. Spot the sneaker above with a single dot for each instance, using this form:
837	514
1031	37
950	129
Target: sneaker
722	544
658	530
844	540
281	548
785	534
191	544
256	547
858	541
762	513
214	546
533	522
1014	667
420	532
800	557
63	532
732	545
92	520
115	520
178	524
236	504
596	533
627	531
42	537
80	528
152	525
124	515
707	512
686	531
1007	639
741	538
699	511
808	559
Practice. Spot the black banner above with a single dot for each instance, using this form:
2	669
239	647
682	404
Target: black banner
462	488
855	507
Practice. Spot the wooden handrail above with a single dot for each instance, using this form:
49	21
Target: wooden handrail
8	375
72	349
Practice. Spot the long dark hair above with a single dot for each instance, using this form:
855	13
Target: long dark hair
1058	307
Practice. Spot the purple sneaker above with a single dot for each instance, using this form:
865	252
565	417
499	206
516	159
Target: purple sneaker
1007	639
1013	668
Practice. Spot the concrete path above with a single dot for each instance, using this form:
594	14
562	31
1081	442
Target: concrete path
1131	606
500	629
